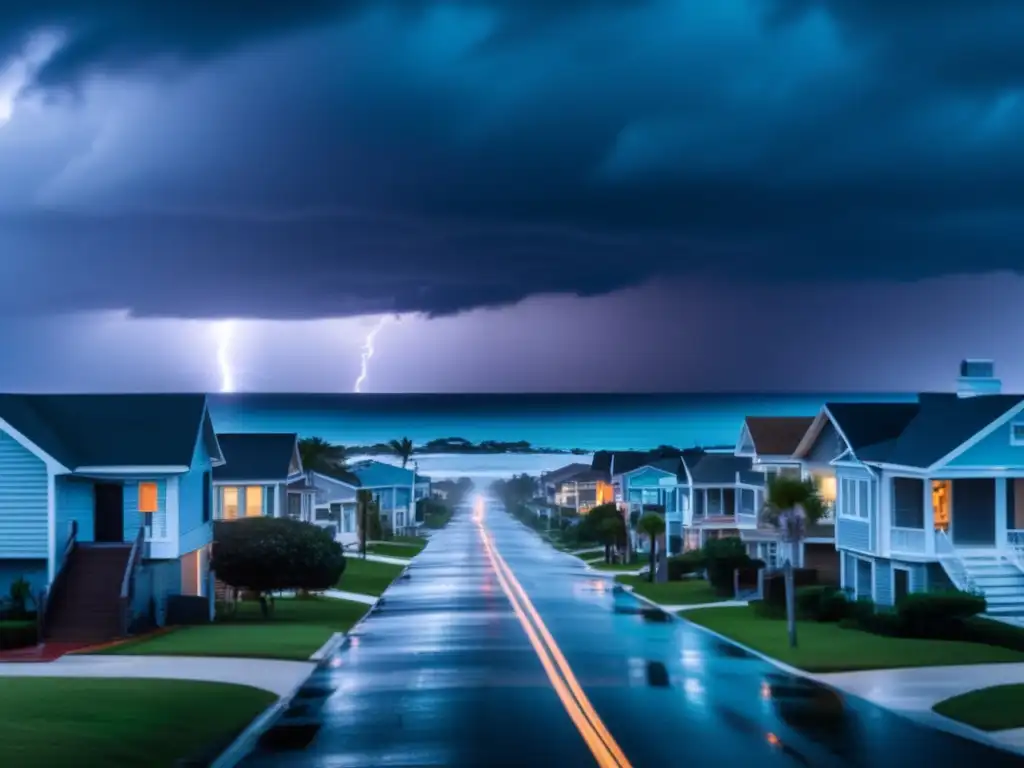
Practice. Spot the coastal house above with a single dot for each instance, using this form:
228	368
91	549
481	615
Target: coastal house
394	490
725	496
931	492
262	477
577	487
106	508
335	504
771	442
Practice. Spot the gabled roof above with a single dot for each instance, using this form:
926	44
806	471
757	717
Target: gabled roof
939	425
625	461
110	430
777	435
865	424
714	468
379	474
562	474
586	475
256	456
338	475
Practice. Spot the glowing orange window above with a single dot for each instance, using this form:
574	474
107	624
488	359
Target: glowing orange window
147	497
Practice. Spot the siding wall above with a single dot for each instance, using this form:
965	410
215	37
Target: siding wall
828	446
193	531
133	519
75	502
23	502
156	580
857	533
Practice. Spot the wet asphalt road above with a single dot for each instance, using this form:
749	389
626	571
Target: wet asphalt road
442	673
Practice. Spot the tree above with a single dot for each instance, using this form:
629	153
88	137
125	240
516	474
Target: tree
402	448
605	524
367	519
652	525
269	554
318	455
791	505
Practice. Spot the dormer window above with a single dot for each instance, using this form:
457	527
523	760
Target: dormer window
1017	432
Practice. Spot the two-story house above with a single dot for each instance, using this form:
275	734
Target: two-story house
929	492
770	443
106	506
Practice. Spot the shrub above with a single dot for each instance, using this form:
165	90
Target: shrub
822	603
267	554
775	584
685	564
722	557
934	608
17	634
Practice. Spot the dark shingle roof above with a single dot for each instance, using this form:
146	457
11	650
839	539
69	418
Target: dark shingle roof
940	424
867	424
256	456
777	435
714	468
109	430
625	461
562	474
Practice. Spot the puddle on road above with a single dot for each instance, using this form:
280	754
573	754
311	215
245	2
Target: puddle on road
285	738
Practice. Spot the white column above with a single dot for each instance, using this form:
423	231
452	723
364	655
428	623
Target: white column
1000	513
929	518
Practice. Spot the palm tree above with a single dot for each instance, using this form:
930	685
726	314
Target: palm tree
652	525
318	455
364	502
791	505
402	448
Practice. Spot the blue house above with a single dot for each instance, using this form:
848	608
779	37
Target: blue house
105	505
930	494
262	477
394	490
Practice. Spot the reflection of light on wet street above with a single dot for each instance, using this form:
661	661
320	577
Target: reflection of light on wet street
693	660
694	691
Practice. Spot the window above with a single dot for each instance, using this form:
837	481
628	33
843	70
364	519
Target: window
147	497
854	498
229	504
254	501
294	506
349	526
728	501
207	500
714	501
1017	433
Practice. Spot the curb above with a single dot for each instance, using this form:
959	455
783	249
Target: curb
929	719
246	740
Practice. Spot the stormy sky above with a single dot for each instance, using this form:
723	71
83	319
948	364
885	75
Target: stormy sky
603	195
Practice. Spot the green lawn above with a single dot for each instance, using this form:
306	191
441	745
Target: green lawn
367	577
830	648
688	592
68	722
296	631
395	549
990	709
588	554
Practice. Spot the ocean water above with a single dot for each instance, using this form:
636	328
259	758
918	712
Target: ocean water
588	422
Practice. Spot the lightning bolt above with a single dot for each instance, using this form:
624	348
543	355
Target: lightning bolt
367	353
225	331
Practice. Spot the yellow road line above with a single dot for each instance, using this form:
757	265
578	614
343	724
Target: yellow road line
563	665
601	743
593	741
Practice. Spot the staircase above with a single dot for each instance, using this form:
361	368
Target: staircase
1000	581
88	608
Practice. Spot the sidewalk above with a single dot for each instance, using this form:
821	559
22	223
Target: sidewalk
910	692
278	677
913	692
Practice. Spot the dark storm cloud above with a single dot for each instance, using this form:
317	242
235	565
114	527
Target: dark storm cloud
336	158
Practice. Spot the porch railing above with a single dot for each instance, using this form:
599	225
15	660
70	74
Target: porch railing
128	580
42	608
952	563
1015	546
908	540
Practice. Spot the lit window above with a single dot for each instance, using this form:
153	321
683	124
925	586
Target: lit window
229	509
827	488
147	497
254	501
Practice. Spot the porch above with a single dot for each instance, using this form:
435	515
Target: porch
733	506
936	517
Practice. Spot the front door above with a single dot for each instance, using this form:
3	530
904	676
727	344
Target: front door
974	512
108	512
